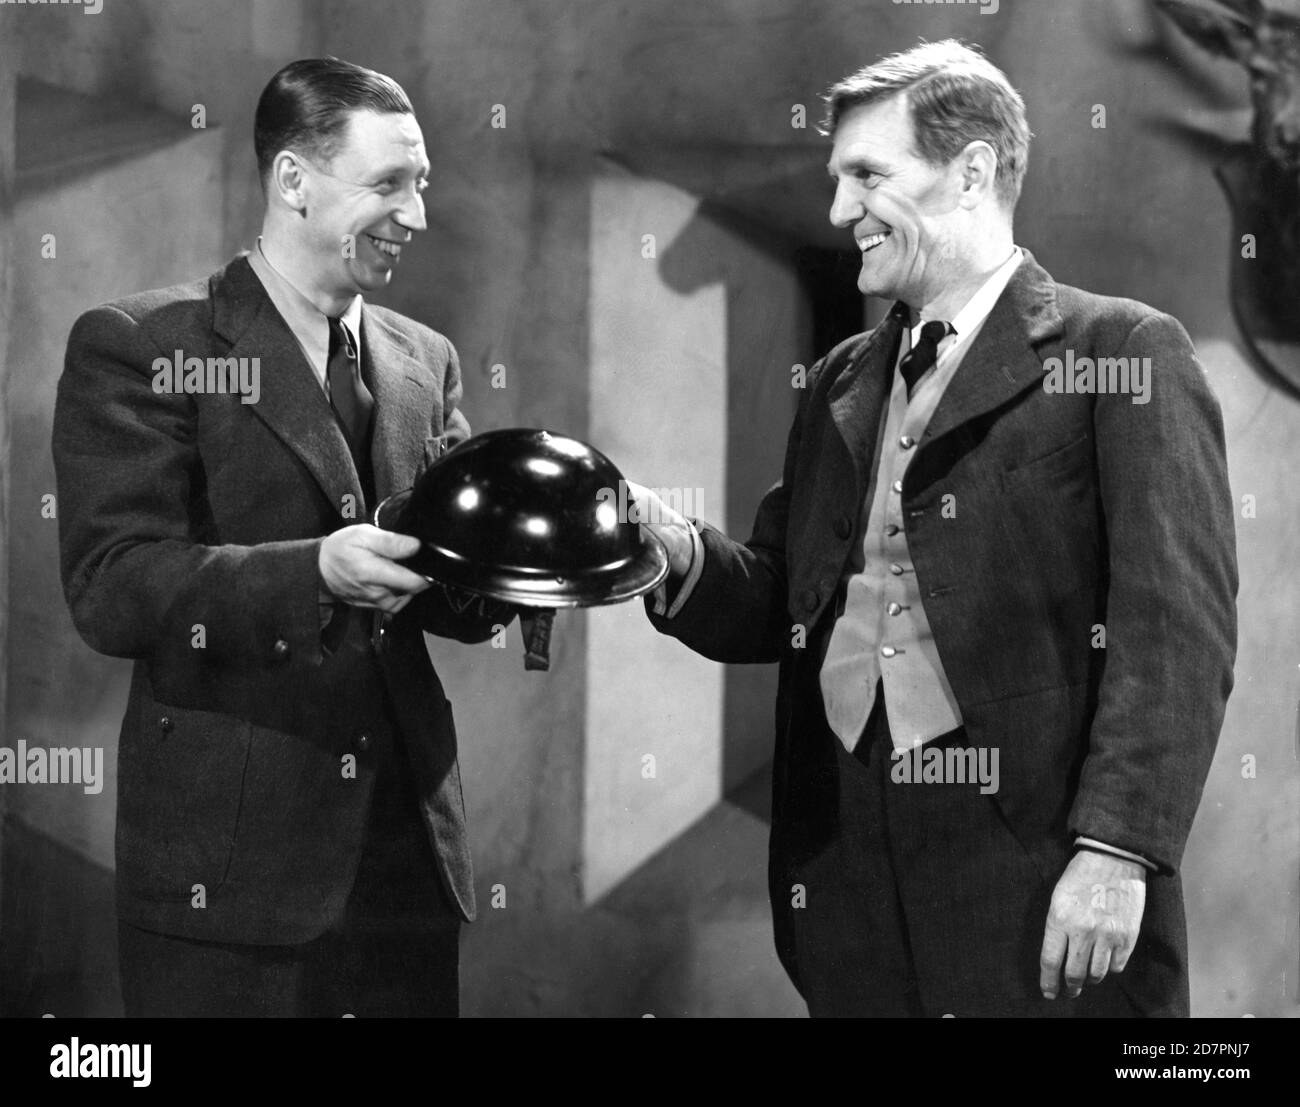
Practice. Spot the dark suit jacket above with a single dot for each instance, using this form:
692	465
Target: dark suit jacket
1070	511
190	527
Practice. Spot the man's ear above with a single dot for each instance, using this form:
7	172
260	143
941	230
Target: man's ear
1213	26
977	165
288	181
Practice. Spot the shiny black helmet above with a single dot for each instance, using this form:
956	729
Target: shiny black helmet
529	517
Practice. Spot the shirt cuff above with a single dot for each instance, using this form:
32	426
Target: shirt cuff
1115	851
660	594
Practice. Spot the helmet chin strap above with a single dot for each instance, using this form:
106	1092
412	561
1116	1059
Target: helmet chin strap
536	625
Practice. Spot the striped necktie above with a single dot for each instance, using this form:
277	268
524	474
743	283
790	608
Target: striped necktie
349	396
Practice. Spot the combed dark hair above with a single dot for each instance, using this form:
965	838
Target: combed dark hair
305	107
956	95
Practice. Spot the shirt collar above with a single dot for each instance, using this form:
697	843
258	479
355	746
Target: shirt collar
305	319
978	307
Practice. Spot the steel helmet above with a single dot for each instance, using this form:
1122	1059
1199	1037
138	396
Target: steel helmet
529	517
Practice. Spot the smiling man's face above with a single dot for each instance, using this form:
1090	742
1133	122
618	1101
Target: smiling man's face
903	212
370	190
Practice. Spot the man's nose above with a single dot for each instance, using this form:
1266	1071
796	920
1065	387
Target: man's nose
845	208
411	214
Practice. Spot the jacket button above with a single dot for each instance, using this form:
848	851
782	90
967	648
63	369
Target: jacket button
165	723
362	741
809	599
907	441
280	650
897	486
887	651
892	529
843	527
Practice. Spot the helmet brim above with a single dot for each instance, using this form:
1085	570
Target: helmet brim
530	587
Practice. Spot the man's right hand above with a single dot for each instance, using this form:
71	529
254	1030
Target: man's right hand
357	566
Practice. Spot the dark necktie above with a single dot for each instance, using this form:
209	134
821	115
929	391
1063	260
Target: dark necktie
348	394
892	327
924	354
353	404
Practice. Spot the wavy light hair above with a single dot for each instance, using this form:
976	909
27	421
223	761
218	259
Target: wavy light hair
956	95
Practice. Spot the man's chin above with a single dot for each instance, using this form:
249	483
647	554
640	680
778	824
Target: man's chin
872	285
371	280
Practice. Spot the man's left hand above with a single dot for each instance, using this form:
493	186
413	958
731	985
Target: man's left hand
1093	923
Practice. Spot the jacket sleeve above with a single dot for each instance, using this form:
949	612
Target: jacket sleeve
1170	609
128	475
738	609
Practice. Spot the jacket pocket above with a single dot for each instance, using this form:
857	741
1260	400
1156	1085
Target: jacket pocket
1071	457
181	778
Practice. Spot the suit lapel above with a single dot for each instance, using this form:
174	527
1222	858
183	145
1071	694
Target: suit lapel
402	405
857	396
1001	362
1003	359
292	402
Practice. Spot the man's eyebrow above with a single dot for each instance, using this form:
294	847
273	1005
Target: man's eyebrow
398	169
858	161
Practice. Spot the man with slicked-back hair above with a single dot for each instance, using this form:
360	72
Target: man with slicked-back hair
290	828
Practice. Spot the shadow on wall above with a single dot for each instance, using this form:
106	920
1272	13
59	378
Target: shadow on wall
769	348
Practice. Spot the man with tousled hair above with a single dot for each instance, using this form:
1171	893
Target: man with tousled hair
958	560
